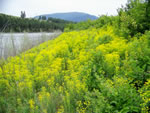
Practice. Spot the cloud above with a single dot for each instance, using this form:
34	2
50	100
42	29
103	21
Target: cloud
37	7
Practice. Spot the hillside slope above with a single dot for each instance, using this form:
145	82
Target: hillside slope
71	16
79	72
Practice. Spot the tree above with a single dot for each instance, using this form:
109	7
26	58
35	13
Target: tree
134	17
23	14
40	17
43	17
148	12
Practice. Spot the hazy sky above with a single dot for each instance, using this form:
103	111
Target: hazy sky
37	7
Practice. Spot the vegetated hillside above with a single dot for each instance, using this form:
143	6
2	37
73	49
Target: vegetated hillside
86	71
17	24
96	70
98	23
71	16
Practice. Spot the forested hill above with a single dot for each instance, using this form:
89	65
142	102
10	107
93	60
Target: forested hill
71	16
16	24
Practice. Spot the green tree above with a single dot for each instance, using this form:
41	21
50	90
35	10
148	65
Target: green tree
43	17
148	13
23	14
134	17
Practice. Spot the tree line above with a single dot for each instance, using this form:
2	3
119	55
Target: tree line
16	24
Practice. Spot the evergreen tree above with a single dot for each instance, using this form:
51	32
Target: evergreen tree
40	17
43	17
23	14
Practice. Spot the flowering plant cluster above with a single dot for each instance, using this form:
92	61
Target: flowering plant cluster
88	71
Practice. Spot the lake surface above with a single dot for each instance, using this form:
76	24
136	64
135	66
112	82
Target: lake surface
14	43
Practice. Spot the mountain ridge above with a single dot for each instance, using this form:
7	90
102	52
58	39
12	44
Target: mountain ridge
70	16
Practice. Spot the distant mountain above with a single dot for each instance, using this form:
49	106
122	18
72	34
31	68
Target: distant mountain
71	16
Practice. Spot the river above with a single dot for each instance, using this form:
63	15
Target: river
12	44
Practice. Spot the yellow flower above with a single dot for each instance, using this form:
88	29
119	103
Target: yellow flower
40	97
61	109
31	103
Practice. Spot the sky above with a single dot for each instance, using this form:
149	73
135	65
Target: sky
38	7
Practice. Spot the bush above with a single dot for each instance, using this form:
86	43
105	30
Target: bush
145	95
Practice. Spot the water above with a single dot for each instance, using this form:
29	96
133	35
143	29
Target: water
12	44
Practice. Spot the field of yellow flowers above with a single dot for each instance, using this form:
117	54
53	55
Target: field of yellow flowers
88	71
